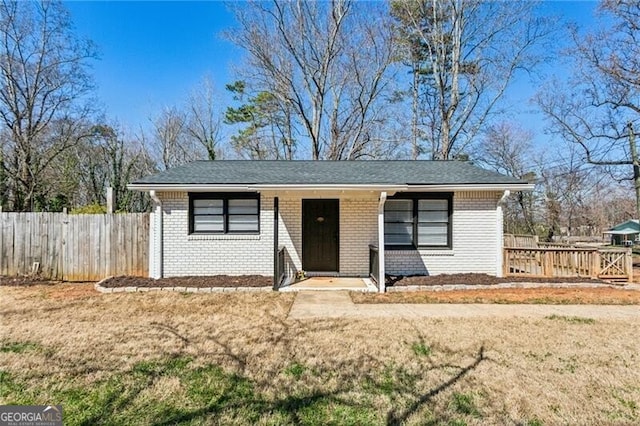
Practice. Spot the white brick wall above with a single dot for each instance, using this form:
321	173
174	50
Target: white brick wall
290	232
358	229
475	245
185	254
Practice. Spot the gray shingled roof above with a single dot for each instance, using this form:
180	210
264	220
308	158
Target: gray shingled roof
326	173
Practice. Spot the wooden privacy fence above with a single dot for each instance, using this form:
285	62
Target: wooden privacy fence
82	247
609	264
513	240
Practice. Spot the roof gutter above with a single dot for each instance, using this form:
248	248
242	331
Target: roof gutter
474	187
504	197
328	187
159	187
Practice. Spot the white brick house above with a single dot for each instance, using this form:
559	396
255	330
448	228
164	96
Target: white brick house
237	217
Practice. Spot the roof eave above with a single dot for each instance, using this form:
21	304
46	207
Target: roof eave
516	186
328	187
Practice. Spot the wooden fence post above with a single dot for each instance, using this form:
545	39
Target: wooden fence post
547	267
628	257
110	201
595	263
506	261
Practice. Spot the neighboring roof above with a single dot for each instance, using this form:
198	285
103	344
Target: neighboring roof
325	173
625	228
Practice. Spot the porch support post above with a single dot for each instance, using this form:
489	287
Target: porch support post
276	213
381	276
499	235
156	250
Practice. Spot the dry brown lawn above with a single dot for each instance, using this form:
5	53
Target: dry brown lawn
541	295
168	358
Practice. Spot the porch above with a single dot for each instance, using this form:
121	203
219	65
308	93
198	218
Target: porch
323	283
323	239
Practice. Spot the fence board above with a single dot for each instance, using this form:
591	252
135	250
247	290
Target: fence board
74	247
610	264
511	240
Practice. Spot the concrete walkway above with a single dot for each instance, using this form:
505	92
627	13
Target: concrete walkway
315	304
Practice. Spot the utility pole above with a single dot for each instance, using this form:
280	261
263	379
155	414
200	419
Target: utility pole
636	167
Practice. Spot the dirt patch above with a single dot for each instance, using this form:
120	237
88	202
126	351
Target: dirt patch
476	279
70	291
197	282
25	281
549	296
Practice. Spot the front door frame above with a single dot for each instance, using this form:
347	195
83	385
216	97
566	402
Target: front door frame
337	239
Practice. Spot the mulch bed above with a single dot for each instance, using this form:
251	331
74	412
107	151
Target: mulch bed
476	279
194	282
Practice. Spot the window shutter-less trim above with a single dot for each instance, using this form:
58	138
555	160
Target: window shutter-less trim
418	220
224	213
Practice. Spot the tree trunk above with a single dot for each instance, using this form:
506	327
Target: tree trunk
636	167
415	152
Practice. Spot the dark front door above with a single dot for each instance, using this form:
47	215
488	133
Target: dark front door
320	224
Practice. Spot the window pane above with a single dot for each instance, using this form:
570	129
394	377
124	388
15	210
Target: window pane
207	210
398	226
402	205
398	233
243	206
398	239
208	223
243	222
433	205
433	216
207	203
211	206
432	234
398	216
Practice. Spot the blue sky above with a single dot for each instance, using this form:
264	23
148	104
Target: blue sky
153	53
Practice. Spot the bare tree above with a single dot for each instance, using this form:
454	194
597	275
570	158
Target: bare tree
507	149
203	118
463	55
325	64
567	186
186	132
169	138
43	68
108	158
599	107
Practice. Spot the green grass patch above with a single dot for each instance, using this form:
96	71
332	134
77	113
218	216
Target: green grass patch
18	347
9	388
464	403
295	369
571	319
421	349
176	391
391	381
